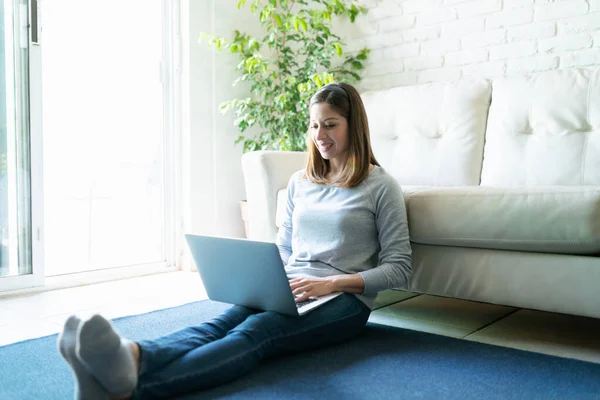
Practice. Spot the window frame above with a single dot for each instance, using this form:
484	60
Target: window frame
170	73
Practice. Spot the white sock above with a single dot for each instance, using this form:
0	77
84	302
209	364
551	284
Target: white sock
106	355
86	387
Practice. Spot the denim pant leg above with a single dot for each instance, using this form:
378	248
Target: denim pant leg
156	354
261	335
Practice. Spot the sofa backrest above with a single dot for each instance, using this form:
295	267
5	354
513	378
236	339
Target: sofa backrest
544	129
431	134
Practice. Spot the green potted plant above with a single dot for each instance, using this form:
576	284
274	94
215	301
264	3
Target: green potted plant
297	53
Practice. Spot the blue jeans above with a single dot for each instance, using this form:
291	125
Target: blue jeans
235	342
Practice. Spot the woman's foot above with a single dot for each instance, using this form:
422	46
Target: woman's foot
108	357
86	387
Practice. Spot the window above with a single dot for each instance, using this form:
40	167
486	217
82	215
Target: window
104	134
104	75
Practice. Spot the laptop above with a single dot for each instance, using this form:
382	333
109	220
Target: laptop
247	273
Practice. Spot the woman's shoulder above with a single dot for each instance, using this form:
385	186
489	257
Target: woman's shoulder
379	175
298	175
382	181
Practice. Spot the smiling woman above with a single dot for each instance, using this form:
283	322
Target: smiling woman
340	150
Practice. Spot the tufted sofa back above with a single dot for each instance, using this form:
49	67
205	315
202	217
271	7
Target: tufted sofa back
542	129
430	135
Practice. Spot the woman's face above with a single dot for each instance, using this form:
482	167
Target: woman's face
329	132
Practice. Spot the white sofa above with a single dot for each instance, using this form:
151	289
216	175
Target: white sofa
501	181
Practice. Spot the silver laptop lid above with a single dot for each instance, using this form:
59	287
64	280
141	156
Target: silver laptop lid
244	272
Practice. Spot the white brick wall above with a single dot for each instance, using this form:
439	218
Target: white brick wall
467	57
565	43
512	50
528	65
561	9
419	41
538	30
510	17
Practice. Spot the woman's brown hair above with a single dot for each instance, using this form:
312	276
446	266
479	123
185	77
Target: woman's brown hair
345	100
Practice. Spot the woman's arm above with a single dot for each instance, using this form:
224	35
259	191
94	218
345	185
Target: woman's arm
284	235
395	257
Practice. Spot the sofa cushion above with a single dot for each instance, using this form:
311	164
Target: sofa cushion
430	134
544	129
538	219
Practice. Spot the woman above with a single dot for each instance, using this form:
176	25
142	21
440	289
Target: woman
345	230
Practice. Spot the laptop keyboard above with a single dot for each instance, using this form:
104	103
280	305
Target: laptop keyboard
305	302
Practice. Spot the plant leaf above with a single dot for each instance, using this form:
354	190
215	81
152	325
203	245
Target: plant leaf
301	52
338	49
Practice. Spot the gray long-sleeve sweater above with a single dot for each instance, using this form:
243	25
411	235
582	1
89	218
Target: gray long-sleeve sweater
330	230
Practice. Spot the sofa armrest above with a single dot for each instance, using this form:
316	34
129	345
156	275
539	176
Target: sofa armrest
265	173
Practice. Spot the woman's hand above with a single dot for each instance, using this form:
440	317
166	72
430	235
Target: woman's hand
303	288
306	287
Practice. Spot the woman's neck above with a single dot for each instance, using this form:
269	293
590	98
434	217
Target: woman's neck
336	167
334	173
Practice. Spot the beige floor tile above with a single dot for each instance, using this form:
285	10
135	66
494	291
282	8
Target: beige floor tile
387	297
556	334
172	291
57	302
443	316
26	330
36	315
9	316
53	303
110	311
172	284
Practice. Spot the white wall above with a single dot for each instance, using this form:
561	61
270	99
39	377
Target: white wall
214	182
419	41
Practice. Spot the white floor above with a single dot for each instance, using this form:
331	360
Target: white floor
30	316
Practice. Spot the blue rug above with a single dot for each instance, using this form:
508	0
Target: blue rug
383	363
